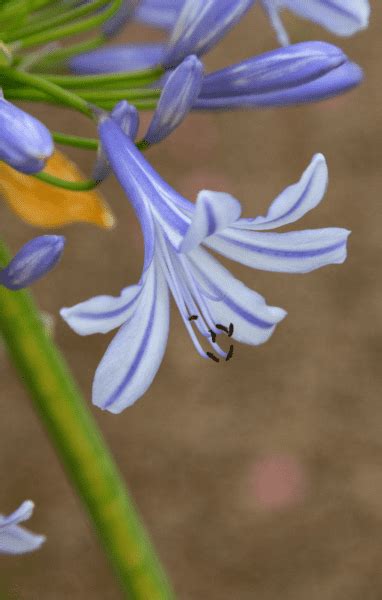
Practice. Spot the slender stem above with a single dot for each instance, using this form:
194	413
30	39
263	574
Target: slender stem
53	90
57	19
59	56
71	29
76	186
75	140
115	79
80	446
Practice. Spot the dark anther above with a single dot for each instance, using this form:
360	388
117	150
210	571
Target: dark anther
230	330
221	327
213	335
229	353
213	357
192	317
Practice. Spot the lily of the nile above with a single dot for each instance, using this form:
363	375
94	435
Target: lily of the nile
214	305
15	539
296	74
178	96
200	25
25	143
34	260
342	17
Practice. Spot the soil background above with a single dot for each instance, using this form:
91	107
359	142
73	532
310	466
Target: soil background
260	478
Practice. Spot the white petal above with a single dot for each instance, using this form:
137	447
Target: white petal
296	200
135	354
101	314
292	252
214	211
23	513
230	301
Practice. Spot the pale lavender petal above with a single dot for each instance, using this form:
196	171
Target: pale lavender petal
118	59
101	314
15	539
214	211
291	252
272	10
296	200
200	25
343	17
179	93
135	354
230	301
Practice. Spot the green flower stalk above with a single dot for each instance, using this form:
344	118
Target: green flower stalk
80	446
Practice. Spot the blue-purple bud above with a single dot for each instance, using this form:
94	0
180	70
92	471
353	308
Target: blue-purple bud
178	96
25	143
300	73
200	25
35	259
113	25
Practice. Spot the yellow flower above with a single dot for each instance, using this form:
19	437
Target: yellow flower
44	205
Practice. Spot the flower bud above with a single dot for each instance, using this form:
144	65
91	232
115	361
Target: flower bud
35	259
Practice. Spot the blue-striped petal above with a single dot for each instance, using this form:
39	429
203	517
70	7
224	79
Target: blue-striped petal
343	17
151	197
230	301
214	211
135	354
295	201
118	59
291	252
200	25
101	314
15	539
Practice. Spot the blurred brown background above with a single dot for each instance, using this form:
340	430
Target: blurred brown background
260	478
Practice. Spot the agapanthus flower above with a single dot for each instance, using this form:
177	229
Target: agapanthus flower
15	539
34	260
342	17
25	143
213	304
158	13
300	73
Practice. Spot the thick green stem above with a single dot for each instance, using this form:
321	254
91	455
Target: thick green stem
80	446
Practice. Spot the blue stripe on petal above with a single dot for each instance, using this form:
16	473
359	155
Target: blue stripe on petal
101	314
134	356
291	252
230	301
295	201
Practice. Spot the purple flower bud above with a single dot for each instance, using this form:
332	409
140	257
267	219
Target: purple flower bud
35	259
117	59
25	143
177	99
121	17
200	25
300	73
